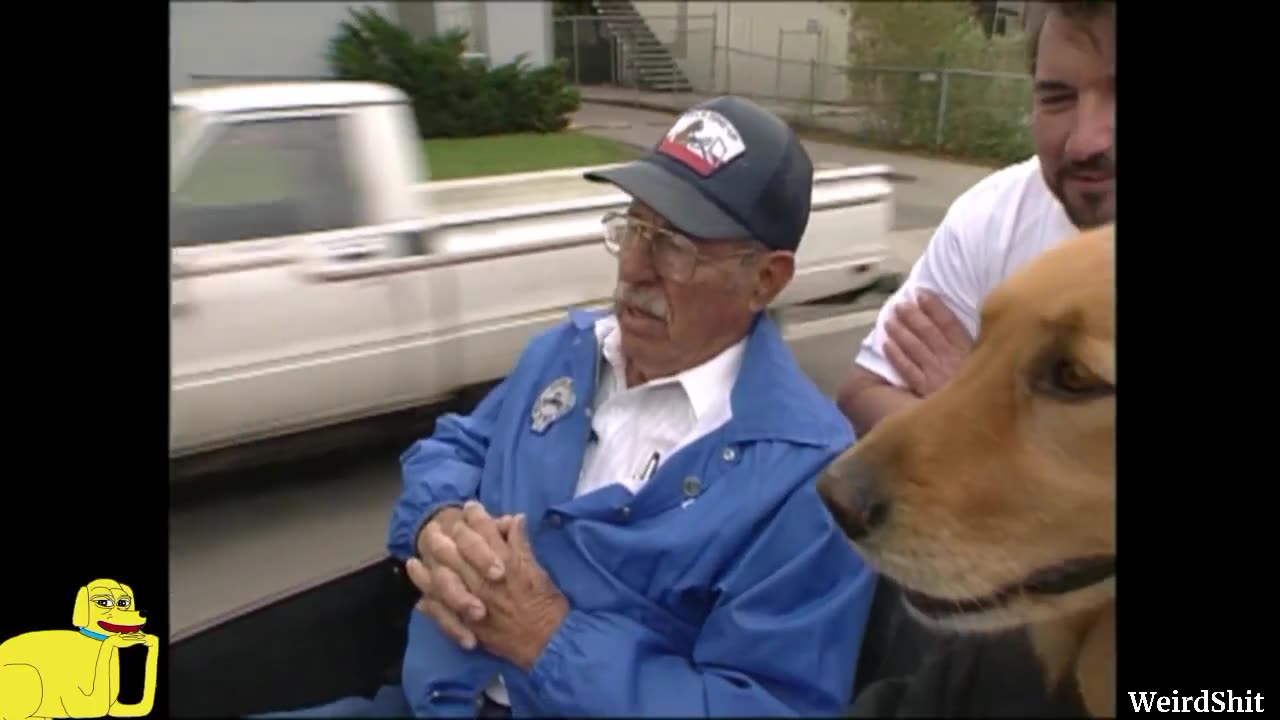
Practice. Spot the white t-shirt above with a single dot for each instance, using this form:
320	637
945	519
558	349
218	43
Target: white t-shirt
1000	224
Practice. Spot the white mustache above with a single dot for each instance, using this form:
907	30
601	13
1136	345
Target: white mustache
646	299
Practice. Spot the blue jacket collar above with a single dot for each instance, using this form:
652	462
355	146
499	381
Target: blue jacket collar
773	398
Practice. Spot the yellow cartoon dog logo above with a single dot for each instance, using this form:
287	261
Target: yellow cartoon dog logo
76	673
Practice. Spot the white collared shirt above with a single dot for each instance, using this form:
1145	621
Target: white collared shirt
660	416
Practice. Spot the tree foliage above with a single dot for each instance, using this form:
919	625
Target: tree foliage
935	48
452	96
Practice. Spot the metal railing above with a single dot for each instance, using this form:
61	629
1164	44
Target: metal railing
962	110
608	49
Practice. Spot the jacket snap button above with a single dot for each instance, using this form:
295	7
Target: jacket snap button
692	486
555	520
625	511
729	454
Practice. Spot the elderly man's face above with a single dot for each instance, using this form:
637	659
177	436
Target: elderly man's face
670	322
1074	115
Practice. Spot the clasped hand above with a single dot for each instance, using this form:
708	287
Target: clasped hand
483	586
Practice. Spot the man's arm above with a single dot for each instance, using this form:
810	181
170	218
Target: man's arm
783	639
874	388
442	471
866	399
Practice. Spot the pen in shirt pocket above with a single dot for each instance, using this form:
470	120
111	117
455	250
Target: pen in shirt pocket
650	468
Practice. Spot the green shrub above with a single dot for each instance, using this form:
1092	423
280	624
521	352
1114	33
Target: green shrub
452	96
984	115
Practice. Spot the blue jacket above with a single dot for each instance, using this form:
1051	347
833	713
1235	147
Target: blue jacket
746	601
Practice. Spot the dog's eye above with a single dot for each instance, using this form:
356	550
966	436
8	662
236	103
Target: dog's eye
104	603
1071	379
1074	377
122	602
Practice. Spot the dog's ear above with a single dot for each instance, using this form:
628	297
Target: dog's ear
80	617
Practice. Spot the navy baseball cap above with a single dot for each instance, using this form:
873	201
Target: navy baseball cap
727	169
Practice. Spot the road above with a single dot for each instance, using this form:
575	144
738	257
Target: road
240	538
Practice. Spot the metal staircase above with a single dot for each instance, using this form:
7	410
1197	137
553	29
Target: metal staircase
648	61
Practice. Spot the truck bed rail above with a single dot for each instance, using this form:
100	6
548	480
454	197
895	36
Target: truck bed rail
439	255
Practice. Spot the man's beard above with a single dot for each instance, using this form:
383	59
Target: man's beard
1086	210
1089	211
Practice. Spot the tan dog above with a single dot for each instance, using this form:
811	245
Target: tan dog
76	673
992	502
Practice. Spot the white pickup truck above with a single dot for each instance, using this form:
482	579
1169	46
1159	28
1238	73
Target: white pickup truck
319	279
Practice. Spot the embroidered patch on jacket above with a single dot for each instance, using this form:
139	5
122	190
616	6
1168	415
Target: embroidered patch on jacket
703	140
554	403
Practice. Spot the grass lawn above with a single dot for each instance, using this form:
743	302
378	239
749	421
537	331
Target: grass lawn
451	158
230	175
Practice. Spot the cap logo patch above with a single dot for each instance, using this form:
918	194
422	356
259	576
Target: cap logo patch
702	140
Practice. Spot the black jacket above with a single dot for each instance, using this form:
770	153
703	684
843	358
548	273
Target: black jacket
908	670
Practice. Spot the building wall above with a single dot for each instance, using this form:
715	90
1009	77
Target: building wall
453	14
516	26
1018	13
419	18
214	42
791	50
219	42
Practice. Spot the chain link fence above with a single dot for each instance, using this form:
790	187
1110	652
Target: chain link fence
962	111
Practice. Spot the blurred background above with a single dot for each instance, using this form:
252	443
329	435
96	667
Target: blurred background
948	76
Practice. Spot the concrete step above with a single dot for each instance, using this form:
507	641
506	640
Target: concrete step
619	9
665	80
650	59
640	34
652	72
661	75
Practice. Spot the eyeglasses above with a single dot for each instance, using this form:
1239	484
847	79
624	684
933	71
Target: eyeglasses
674	256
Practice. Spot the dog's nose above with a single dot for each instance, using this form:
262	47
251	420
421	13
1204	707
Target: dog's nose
856	498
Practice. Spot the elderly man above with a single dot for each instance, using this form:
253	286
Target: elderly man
628	524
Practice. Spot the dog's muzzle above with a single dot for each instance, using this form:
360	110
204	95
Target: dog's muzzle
855	496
